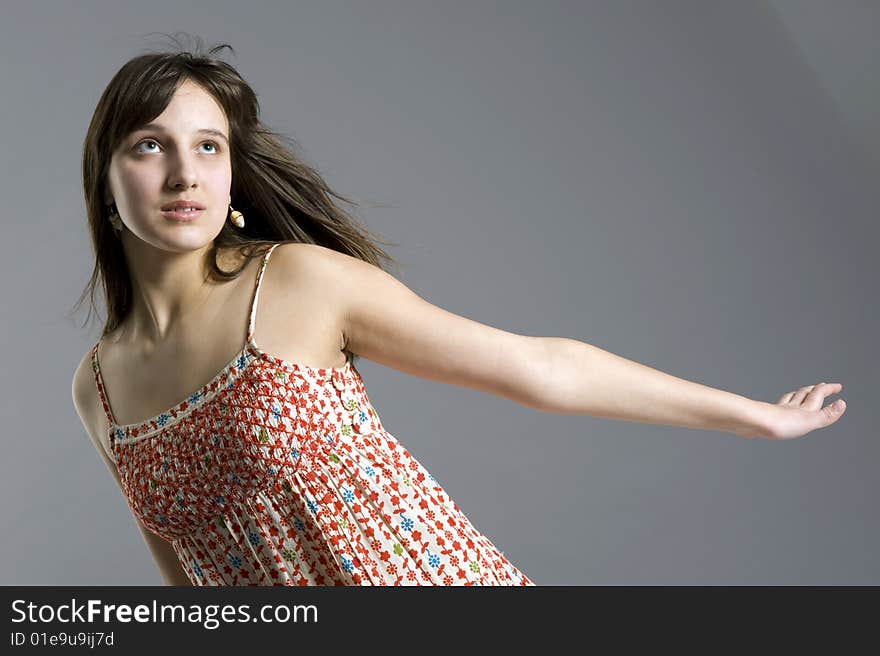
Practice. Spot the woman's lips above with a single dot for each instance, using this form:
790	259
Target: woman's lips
182	215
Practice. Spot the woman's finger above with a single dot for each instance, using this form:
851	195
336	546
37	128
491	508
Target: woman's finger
816	396
827	389
805	392
799	395
820	392
833	411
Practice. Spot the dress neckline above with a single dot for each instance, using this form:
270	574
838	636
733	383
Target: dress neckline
223	379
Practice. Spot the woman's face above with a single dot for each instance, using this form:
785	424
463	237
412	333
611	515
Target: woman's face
175	159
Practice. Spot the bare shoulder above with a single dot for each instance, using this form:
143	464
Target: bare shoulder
80	388
315	260
326	273
88	405
331	281
337	275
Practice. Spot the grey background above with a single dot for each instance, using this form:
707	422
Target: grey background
688	184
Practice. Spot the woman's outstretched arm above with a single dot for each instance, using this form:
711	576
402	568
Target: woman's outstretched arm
585	379
384	321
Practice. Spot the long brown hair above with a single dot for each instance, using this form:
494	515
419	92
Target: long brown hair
282	197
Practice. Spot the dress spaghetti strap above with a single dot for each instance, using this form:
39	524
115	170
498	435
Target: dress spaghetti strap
96	368
255	301
99	383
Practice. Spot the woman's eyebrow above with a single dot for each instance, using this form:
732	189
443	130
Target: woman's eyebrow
211	131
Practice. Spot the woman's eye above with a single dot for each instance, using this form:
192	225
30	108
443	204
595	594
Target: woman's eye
150	141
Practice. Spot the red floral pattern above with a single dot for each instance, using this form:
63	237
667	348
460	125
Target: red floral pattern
277	473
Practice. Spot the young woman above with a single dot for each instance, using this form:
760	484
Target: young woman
223	395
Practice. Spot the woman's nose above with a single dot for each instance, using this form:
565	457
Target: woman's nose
182	173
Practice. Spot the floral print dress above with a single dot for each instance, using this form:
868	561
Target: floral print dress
277	473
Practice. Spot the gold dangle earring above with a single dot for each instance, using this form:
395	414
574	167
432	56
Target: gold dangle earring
236	217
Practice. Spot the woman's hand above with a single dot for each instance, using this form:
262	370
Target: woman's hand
800	412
